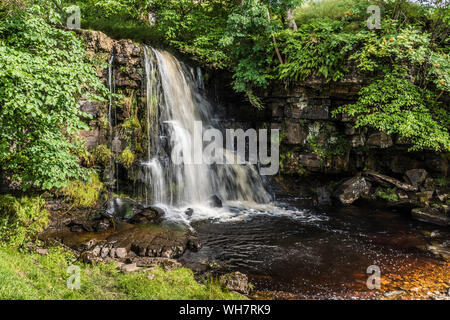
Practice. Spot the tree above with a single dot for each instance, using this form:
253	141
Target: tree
43	73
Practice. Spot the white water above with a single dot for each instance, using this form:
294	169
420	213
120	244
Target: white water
174	104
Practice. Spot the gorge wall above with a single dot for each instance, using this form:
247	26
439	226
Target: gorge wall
312	140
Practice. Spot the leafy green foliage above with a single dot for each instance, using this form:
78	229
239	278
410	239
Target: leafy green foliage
411	76
396	106
43	73
21	219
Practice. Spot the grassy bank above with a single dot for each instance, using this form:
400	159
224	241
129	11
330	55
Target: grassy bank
26	275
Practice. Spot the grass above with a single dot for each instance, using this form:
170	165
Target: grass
28	276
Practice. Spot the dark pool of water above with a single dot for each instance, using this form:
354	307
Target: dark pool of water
313	258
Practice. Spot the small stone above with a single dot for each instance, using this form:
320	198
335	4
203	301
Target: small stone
442	195
132	267
235	281
96	250
41	251
150	276
104	252
121	253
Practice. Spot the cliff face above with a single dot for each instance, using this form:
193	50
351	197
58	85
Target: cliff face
313	141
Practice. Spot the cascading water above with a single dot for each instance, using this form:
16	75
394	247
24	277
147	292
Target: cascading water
174	104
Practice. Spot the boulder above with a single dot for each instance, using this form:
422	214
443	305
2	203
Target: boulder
352	189
215	202
121	253
235	281
189	211
146	215
416	176
386	180
430	215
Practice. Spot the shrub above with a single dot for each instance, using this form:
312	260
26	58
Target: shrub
83	194
21	219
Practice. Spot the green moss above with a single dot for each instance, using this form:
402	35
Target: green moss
388	194
103	122
84	194
127	158
102	155
328	145
21	218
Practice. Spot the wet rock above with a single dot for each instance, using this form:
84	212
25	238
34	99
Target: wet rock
440	250
193	244
102	225
416	176
323	196
76	227
235	281
430	215
352	189
402	195
189	211
383	180
215	202
442	195
147	215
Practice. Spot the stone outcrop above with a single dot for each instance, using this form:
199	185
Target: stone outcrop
352	189
313	141
431	215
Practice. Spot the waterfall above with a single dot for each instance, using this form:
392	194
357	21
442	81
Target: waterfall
112	165
174	104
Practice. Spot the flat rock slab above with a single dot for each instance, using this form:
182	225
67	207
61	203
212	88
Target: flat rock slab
430	215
